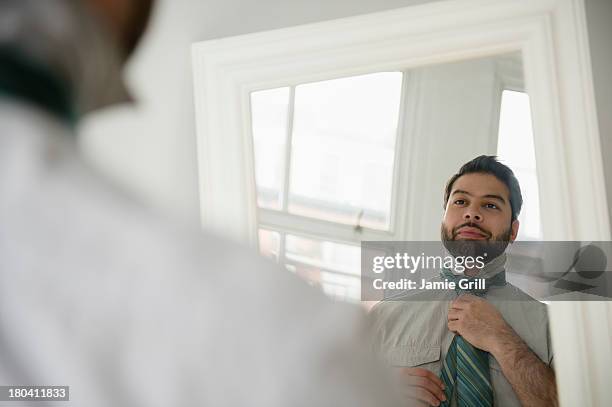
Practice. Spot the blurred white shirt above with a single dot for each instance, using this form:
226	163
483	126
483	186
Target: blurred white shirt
128	309
102	295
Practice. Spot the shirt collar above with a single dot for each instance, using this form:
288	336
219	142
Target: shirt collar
493	273
71	42
26	81
493	267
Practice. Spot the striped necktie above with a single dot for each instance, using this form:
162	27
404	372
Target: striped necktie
466	368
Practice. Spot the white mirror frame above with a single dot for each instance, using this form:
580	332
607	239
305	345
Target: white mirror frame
552	38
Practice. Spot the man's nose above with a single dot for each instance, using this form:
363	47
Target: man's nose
472	214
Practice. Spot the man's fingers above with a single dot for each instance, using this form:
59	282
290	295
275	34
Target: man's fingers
435	379
427	396
417	403
453	314
423	385
428	384
420	393
419	371
456	304
463	301
453	326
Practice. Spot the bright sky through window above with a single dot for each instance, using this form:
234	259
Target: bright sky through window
516	149
343	149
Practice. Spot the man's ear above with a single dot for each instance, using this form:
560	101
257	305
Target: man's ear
515	228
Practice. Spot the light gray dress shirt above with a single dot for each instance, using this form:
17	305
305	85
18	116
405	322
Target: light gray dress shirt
411	330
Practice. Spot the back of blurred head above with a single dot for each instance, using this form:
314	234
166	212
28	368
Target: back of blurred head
126	19
83	44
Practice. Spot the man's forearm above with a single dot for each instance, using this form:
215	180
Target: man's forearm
532	380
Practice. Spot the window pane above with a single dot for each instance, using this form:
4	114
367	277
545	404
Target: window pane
269	244
334	267
343	149
341	287
516	149
330	255
269	109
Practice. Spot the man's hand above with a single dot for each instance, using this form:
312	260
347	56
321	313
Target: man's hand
479	322
483	326
421	387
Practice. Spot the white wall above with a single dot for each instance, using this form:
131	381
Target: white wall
599	20
150	148
456	120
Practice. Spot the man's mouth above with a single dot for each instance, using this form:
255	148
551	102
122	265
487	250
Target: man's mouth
471	233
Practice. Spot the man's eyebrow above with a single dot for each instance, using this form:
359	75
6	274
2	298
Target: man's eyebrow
493	196
490	196
460	191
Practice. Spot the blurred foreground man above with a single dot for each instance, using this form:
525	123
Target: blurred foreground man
480	348
98	293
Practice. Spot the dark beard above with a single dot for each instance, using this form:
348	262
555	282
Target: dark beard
487	249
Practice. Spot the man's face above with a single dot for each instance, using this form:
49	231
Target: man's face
477	217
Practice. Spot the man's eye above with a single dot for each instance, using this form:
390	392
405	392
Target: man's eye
491	206
459	201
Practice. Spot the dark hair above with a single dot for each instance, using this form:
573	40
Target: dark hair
134	29
488	164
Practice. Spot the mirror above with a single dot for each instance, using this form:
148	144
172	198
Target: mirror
553	44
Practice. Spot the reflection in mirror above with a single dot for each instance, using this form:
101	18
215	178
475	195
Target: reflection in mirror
367	157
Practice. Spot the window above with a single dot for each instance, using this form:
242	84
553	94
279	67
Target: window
324	161
516	149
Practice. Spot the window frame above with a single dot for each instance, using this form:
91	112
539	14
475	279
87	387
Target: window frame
282	221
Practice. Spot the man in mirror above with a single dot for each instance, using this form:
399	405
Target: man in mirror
472	348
